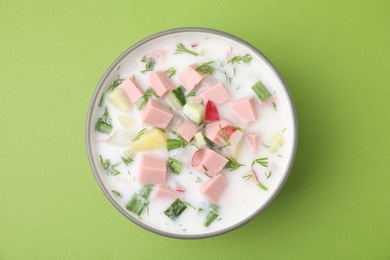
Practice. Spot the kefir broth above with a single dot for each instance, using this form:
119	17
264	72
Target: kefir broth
243	196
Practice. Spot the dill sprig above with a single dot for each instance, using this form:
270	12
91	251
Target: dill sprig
150	63
104	123
248	176
180	48
116	193
247	58
108	167
171	71
233	164
262	161
149	93
274	106
268	174
206	68
262	186
113	85
127	160
140	133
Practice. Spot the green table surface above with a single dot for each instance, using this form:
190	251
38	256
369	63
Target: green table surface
333	55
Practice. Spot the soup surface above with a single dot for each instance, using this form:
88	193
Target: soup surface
193	133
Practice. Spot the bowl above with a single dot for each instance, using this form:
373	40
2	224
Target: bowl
125	62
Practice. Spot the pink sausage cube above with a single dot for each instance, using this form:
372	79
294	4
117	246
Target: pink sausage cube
187	130
206	160
212	131
163	192
244	109
190	77
156	114
214	188
132	90
160	82
216	93
152	170
252	139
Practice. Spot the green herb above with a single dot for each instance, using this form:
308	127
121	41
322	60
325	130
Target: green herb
262	186
224	136
284	130
233	164
171	71
206	68
140	133
212	215
191	94
140	201
179	94
261	91
180	48
266	146
175	209
116	193
150	63
247	58
103	124
127	160
173	144
261	161
237	128
174	165
227	77
274	106
115	83
149	93
268	174
209	143
108	167
189	204
248	176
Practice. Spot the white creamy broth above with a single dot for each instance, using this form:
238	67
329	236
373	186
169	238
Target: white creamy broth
242	197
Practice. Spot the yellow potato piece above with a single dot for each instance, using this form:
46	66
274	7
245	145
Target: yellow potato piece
153	139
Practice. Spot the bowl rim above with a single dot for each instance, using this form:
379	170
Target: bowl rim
89	124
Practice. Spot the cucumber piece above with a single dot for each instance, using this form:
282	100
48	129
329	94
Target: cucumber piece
200	140
176	98
194	111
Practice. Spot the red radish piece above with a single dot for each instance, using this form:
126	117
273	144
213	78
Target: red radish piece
228	131
194	45
197	157
180	190
211	113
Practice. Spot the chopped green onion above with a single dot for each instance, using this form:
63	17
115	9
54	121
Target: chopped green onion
261	91
247	58
212	215
233	164
261	161
171	71
206	68
139	201
145	191
180	48
175	209
103	124
173	144
262	186
174	165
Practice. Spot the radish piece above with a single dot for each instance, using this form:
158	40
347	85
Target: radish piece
211	113
228	131
197	157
